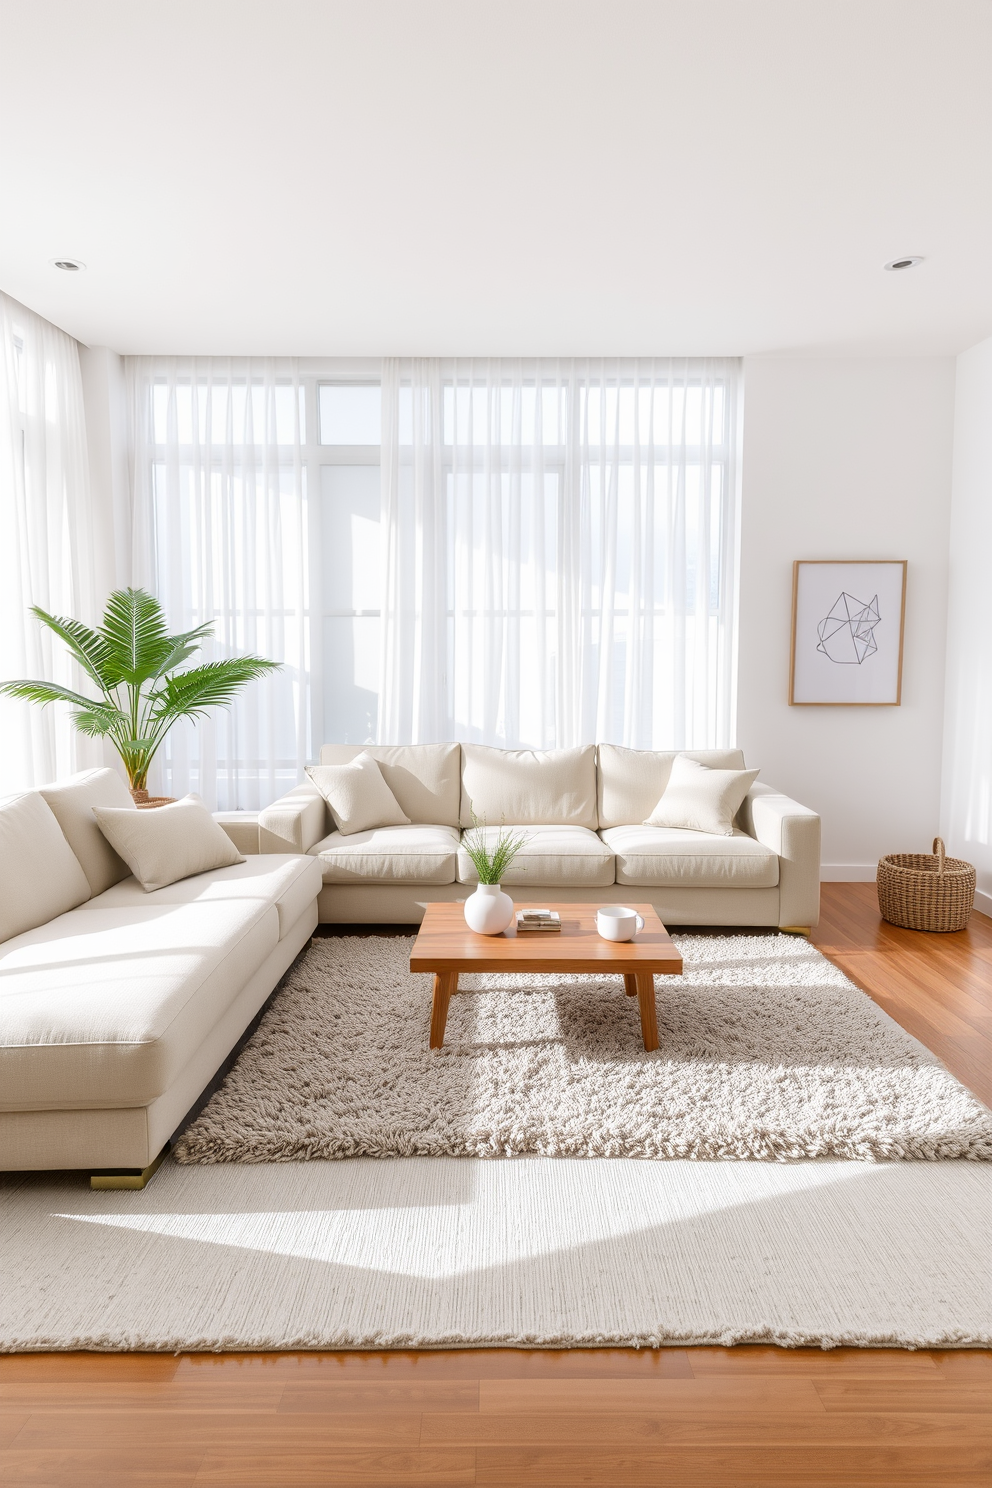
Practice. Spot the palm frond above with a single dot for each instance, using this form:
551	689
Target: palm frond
137	636
188	694
99	722
184	645
88	646
181	651
50	692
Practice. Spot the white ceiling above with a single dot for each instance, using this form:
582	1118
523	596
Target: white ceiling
500	176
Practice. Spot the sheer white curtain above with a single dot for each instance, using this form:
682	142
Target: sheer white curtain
560	552
221	534
46	540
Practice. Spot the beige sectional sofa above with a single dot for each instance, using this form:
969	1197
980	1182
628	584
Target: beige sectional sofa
583	812
117	1006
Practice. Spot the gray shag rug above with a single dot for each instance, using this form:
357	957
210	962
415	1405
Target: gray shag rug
766	1051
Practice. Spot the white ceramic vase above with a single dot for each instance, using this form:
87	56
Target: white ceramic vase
488	911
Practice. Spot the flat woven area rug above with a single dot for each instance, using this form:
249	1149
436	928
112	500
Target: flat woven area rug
434	1252
766	1051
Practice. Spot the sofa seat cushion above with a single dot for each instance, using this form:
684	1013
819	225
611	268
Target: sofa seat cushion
416	854
695	860
551	857
105	1005
285	880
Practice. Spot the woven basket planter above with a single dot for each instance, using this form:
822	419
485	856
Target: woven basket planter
924	891
145	802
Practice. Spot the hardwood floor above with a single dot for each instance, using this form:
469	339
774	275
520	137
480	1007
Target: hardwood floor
939	987
689	1418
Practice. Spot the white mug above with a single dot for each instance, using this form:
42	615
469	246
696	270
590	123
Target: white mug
617	922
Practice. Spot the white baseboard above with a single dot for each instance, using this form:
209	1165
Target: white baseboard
865	873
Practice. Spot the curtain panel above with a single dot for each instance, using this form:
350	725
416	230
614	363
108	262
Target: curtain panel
560	552
221	535
47	527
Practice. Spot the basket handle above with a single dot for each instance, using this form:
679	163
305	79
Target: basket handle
940	850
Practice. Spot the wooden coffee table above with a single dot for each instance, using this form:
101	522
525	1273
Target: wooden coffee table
446	946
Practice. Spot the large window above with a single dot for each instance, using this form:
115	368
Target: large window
348	457
563	554
560	552
522	554
257	508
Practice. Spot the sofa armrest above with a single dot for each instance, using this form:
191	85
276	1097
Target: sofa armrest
241	827
793	832
293	823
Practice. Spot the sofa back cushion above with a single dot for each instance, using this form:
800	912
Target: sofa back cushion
424	778
632	781
72	803
530	787
40	875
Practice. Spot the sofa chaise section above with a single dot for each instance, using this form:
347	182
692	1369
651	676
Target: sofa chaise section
116	1013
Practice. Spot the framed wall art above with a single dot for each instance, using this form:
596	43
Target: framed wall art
847	633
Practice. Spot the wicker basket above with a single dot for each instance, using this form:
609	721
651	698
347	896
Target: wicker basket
923	891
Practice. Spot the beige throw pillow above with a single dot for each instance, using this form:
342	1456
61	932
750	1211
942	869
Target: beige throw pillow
167	843
701	800
358	796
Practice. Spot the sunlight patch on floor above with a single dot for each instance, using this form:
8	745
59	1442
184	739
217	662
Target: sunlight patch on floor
541	1207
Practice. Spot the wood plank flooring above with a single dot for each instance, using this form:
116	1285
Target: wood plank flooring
689	1418
939	987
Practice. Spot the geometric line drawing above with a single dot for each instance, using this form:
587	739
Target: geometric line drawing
847	634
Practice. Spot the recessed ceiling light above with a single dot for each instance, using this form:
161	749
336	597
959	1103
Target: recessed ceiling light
71	265
907	261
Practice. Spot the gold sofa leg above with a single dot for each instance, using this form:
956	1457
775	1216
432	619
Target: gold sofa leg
794	930
127	1177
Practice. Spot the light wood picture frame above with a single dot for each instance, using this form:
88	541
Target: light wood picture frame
848	623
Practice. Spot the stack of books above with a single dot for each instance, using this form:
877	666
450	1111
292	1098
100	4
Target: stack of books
537	920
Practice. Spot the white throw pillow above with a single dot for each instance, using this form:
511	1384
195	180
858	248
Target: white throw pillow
166	843
358	796
701	800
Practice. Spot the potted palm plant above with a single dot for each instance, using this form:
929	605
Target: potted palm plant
134	663
488	911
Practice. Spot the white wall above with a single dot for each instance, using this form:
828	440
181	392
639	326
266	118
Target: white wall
966	802
847	458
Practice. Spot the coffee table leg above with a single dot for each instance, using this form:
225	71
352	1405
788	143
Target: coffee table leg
649	1020
630	984
445	983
